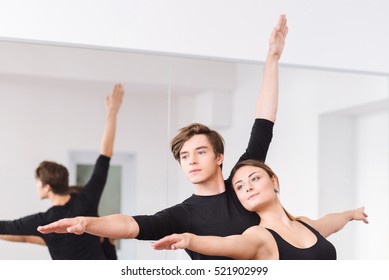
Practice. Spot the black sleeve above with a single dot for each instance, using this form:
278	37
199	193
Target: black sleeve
175	219
23	226
259	142
95	186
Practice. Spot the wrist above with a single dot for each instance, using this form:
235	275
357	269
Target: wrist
273	57
350	215
188	237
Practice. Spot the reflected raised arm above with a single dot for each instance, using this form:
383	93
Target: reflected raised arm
113	103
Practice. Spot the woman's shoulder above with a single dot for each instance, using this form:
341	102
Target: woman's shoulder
259	232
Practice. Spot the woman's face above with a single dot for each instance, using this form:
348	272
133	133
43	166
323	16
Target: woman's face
254	187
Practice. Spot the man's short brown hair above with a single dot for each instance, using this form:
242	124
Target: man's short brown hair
187	132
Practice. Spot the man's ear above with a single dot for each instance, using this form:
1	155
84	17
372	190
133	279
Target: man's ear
46	188
220	159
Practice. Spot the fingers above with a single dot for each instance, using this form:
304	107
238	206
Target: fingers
285	31
42	229
50	228
61	226
117	92
364	216
166	243
281	22
162	245
114	100
58	228
282	26
118	89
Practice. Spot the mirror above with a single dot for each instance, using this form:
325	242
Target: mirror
330	140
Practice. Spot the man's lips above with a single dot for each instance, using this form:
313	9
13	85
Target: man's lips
194	170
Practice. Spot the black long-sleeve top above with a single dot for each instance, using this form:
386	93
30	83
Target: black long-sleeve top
68	246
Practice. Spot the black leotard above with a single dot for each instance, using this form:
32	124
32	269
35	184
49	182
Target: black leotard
321	250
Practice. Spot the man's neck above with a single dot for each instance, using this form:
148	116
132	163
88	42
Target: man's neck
59	200
211	187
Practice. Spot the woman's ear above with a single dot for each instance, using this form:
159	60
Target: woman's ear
276	185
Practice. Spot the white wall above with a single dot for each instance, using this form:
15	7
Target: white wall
346	34
372	184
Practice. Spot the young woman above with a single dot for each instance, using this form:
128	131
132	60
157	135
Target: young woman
279	235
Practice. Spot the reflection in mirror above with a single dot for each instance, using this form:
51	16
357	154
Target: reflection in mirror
329	141
53	109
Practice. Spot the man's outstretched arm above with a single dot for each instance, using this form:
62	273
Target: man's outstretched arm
116	226
23	238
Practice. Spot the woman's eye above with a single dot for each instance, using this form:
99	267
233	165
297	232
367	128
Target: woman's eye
255	179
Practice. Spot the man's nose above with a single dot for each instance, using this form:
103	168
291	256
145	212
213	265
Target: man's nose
192	159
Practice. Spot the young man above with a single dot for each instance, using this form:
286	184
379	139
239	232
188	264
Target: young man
213	209
52	183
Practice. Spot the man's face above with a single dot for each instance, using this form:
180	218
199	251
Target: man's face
42	190
198	160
